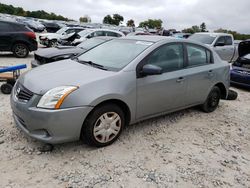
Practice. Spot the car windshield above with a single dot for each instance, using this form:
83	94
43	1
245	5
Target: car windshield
115	54
203	38
90	43
84	32
61	31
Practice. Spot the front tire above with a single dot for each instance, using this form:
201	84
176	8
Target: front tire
6	88
20	50
103	126
53	43
212	101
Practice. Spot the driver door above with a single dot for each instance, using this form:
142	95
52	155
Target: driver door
167	91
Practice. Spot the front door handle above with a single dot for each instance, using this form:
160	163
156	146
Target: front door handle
180	80
210	73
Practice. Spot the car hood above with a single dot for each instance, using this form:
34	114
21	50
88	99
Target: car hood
60	50
61	73
244	48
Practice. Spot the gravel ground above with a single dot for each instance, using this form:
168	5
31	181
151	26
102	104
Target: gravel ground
184	149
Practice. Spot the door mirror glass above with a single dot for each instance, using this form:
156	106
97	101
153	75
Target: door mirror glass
150	69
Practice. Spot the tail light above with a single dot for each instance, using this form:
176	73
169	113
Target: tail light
31	35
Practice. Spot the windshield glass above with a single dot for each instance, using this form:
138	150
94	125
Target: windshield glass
61	31
115	54
203	38
90	43
84	32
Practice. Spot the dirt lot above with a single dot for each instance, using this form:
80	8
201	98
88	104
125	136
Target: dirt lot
184	149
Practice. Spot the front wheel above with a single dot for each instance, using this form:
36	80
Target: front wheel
212	101
53	43
6	88
103	126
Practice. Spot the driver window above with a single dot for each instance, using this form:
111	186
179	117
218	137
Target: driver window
221	40
168	57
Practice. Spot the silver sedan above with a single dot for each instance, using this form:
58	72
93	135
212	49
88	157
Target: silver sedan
92	97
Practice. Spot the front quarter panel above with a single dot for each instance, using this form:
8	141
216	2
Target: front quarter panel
121	86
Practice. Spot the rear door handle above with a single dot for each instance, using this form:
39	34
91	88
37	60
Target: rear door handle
210	73
180	80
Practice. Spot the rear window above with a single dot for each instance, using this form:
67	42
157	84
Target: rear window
203	38
10	27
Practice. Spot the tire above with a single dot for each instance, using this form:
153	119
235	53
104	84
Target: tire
98	127
20	50
6	88
53	43
212	101
232	95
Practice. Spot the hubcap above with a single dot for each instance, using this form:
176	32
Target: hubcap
107	127
214	100
20	50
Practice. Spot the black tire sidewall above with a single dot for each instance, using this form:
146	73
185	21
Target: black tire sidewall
206	106
6	88
87	134
25	46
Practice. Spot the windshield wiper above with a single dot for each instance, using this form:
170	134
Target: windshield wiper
91	64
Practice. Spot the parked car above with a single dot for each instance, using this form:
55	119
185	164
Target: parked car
51	27
49	55
120	82
240	71
17	38
50	39
90	33
181	35
138	33
222	43
35	26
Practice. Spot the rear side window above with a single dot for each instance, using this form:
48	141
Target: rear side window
111	34
228	40
198	55
5	27
168	57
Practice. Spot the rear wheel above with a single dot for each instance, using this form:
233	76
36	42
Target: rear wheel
20	50
103	126
212	101
6	88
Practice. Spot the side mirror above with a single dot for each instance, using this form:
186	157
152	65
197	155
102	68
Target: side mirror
220	44
88	37
150	69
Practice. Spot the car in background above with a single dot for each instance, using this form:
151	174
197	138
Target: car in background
138	33
181	35
240	70
90	33
49	55
17	38
51	27
35	26
222	43
120	82
51	39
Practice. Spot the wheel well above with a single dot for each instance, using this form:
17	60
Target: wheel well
122	105
223	90
21	42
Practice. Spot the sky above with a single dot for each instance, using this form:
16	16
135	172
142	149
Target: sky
177	14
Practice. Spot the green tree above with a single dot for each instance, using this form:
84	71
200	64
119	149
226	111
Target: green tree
84	19
203	27
237	36
151	23
192	30
116	19
131	23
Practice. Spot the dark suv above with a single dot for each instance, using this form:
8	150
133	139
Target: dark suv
17	38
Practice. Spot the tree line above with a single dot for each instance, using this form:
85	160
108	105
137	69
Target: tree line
41	14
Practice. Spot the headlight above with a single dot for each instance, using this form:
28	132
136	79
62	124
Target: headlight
54	98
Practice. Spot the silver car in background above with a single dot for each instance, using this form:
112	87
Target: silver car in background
120	82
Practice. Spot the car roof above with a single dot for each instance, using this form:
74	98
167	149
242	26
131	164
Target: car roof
151	38
217	34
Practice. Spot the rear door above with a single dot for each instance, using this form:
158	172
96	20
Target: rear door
165	92
5	36
200	73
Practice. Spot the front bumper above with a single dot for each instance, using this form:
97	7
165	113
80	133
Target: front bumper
49	126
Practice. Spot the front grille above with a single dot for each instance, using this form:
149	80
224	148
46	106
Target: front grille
22	93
